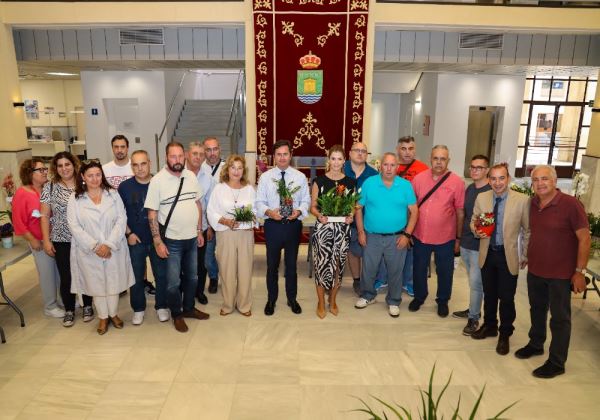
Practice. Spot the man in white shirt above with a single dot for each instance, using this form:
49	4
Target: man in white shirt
212	166
118	169
282	233
174	201
195	157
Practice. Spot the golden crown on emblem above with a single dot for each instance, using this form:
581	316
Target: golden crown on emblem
310	61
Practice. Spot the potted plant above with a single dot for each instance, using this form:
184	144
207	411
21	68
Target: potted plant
286	200
485	223
594	222
6	229
244	216
337	203
524	188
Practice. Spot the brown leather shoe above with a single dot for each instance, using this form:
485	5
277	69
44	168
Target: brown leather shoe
180	324
102	326
196	314
116	321
503	346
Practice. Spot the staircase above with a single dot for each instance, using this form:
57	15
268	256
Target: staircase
202	118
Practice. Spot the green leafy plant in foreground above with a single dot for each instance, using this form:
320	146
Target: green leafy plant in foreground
429	406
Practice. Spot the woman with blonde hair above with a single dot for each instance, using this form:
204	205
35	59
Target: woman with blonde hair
235	239
330	241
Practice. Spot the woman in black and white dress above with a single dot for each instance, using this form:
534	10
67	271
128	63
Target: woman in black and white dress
330	240
64	169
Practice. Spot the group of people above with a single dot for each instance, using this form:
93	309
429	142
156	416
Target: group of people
91	229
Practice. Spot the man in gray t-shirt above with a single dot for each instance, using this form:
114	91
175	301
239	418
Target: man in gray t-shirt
469	244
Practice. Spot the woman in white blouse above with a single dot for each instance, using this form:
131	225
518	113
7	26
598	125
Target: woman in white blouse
100	263
235	246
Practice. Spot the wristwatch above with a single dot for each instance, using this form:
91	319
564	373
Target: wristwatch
581	270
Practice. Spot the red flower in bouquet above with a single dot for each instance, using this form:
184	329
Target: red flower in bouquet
485	222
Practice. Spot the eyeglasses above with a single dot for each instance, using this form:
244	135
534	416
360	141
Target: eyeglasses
42	169
477	168
363	151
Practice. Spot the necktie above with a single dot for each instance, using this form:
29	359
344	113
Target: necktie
496	205
283	176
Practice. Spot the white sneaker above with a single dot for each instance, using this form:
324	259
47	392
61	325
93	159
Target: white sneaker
394	311
138	318
363	303
55	312
163	315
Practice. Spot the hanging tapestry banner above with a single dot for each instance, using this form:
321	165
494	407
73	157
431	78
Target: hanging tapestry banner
310	60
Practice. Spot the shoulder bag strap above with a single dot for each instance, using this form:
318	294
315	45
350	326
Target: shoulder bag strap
216	168
435	187
174	204
401	174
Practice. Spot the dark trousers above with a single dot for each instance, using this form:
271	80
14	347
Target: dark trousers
202	272
444	267
553	294
63	263
286	237
498	285
183	256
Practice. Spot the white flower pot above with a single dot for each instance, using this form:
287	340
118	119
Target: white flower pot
336	219
7	242
244	226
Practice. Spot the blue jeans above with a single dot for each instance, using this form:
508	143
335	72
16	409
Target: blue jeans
183	256
407	271
444	268
137	297
382	248
471	260
210	261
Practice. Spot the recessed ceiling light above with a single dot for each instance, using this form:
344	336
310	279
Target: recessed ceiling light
58	73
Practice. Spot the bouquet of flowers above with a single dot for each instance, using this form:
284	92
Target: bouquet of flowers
485	222
8	185
244	216
338	202
286	202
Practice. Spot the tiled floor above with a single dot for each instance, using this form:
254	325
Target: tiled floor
282	367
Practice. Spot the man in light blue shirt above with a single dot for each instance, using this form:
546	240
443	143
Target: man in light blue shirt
282	233
384	231
195	158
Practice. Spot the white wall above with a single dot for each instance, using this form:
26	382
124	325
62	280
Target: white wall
148	87
385	123
455	93
62	95
412	114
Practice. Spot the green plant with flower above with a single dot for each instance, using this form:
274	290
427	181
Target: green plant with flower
338	201
285	191
523	188
243	213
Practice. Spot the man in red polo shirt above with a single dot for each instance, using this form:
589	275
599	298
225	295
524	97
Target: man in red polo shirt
559	248
408	168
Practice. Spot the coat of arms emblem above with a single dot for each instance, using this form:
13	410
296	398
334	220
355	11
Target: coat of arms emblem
309	83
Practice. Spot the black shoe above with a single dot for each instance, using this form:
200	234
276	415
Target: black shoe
443	310
212	286
527	352
503	347
548	370
485	332
202	299
415	305
295	306
356	287
269	308
471	327
461	314
149	288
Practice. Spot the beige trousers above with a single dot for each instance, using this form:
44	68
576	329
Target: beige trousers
235	256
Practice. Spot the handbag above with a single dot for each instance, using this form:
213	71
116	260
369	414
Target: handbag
162	229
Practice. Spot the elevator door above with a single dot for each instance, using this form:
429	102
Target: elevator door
480	134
